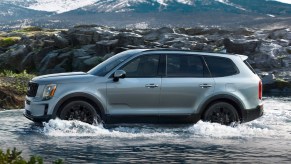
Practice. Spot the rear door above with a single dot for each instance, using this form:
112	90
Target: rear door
139	92
186	83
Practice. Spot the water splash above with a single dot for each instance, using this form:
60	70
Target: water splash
275	123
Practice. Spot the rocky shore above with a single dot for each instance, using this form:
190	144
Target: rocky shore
44	51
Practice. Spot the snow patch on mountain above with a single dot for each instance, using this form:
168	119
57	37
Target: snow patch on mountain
284	1
60	6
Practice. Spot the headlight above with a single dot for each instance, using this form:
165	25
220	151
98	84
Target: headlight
49	91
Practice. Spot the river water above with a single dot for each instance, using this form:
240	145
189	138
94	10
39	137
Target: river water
265	140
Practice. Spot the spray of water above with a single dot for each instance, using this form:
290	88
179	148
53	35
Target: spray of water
275	123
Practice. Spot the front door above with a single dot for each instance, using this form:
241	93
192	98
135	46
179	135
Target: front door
139	92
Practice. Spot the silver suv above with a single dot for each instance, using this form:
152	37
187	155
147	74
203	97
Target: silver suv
151	86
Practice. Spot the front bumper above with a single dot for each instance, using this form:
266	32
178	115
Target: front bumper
36	118
36	111
251	114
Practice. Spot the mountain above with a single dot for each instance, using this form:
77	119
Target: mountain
260	6
10	12
50	13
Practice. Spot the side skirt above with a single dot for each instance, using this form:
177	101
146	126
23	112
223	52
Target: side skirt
152	119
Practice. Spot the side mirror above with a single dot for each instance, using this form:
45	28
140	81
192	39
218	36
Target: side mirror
118	74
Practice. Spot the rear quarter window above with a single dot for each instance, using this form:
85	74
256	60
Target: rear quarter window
221	66
250	67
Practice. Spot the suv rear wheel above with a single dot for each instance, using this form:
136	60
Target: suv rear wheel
80	110
222	113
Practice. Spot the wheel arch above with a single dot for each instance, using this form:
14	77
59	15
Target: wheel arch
79	96
238	105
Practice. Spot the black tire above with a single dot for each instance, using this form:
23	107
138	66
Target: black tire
222	113
80	110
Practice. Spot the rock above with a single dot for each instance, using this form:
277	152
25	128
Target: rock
129	38
27	63
288	50
92	62
83	39
244	31
60	41
279	34
164	30
106	46
108	56
48	43
38	56
241	46
198	46
270	49
79	65
154	35
268	79
49	62
16	57
283	42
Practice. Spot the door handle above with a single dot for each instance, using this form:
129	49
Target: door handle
205	85
151	85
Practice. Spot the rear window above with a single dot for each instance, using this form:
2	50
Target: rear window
250	67
220	66
185	66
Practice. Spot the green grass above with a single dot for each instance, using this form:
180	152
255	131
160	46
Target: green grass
8	41
14	157
30	29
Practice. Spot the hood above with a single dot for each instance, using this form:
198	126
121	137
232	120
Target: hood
59	78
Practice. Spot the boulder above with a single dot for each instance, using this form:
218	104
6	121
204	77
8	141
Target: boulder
164	30
38	56
79	65
27	63
279	34
106	46
241	46
92	62
83	39
198	46
16	56
49	62
60	41
283	42
129	38
162	34
153	35
270	49
268	79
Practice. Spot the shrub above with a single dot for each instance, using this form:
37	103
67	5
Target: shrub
16	82
14	157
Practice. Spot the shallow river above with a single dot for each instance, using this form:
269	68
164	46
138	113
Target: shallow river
265	140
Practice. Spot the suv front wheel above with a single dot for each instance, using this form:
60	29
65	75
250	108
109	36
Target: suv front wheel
80	110
222	113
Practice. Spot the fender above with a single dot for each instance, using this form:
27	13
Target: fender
222	97
79	95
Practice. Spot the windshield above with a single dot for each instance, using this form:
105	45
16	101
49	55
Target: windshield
106	66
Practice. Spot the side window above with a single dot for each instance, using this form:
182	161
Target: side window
143	66
220	66
184	66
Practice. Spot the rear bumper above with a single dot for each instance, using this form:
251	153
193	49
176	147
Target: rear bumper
251	114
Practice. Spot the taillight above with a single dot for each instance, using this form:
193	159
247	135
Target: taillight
260	90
